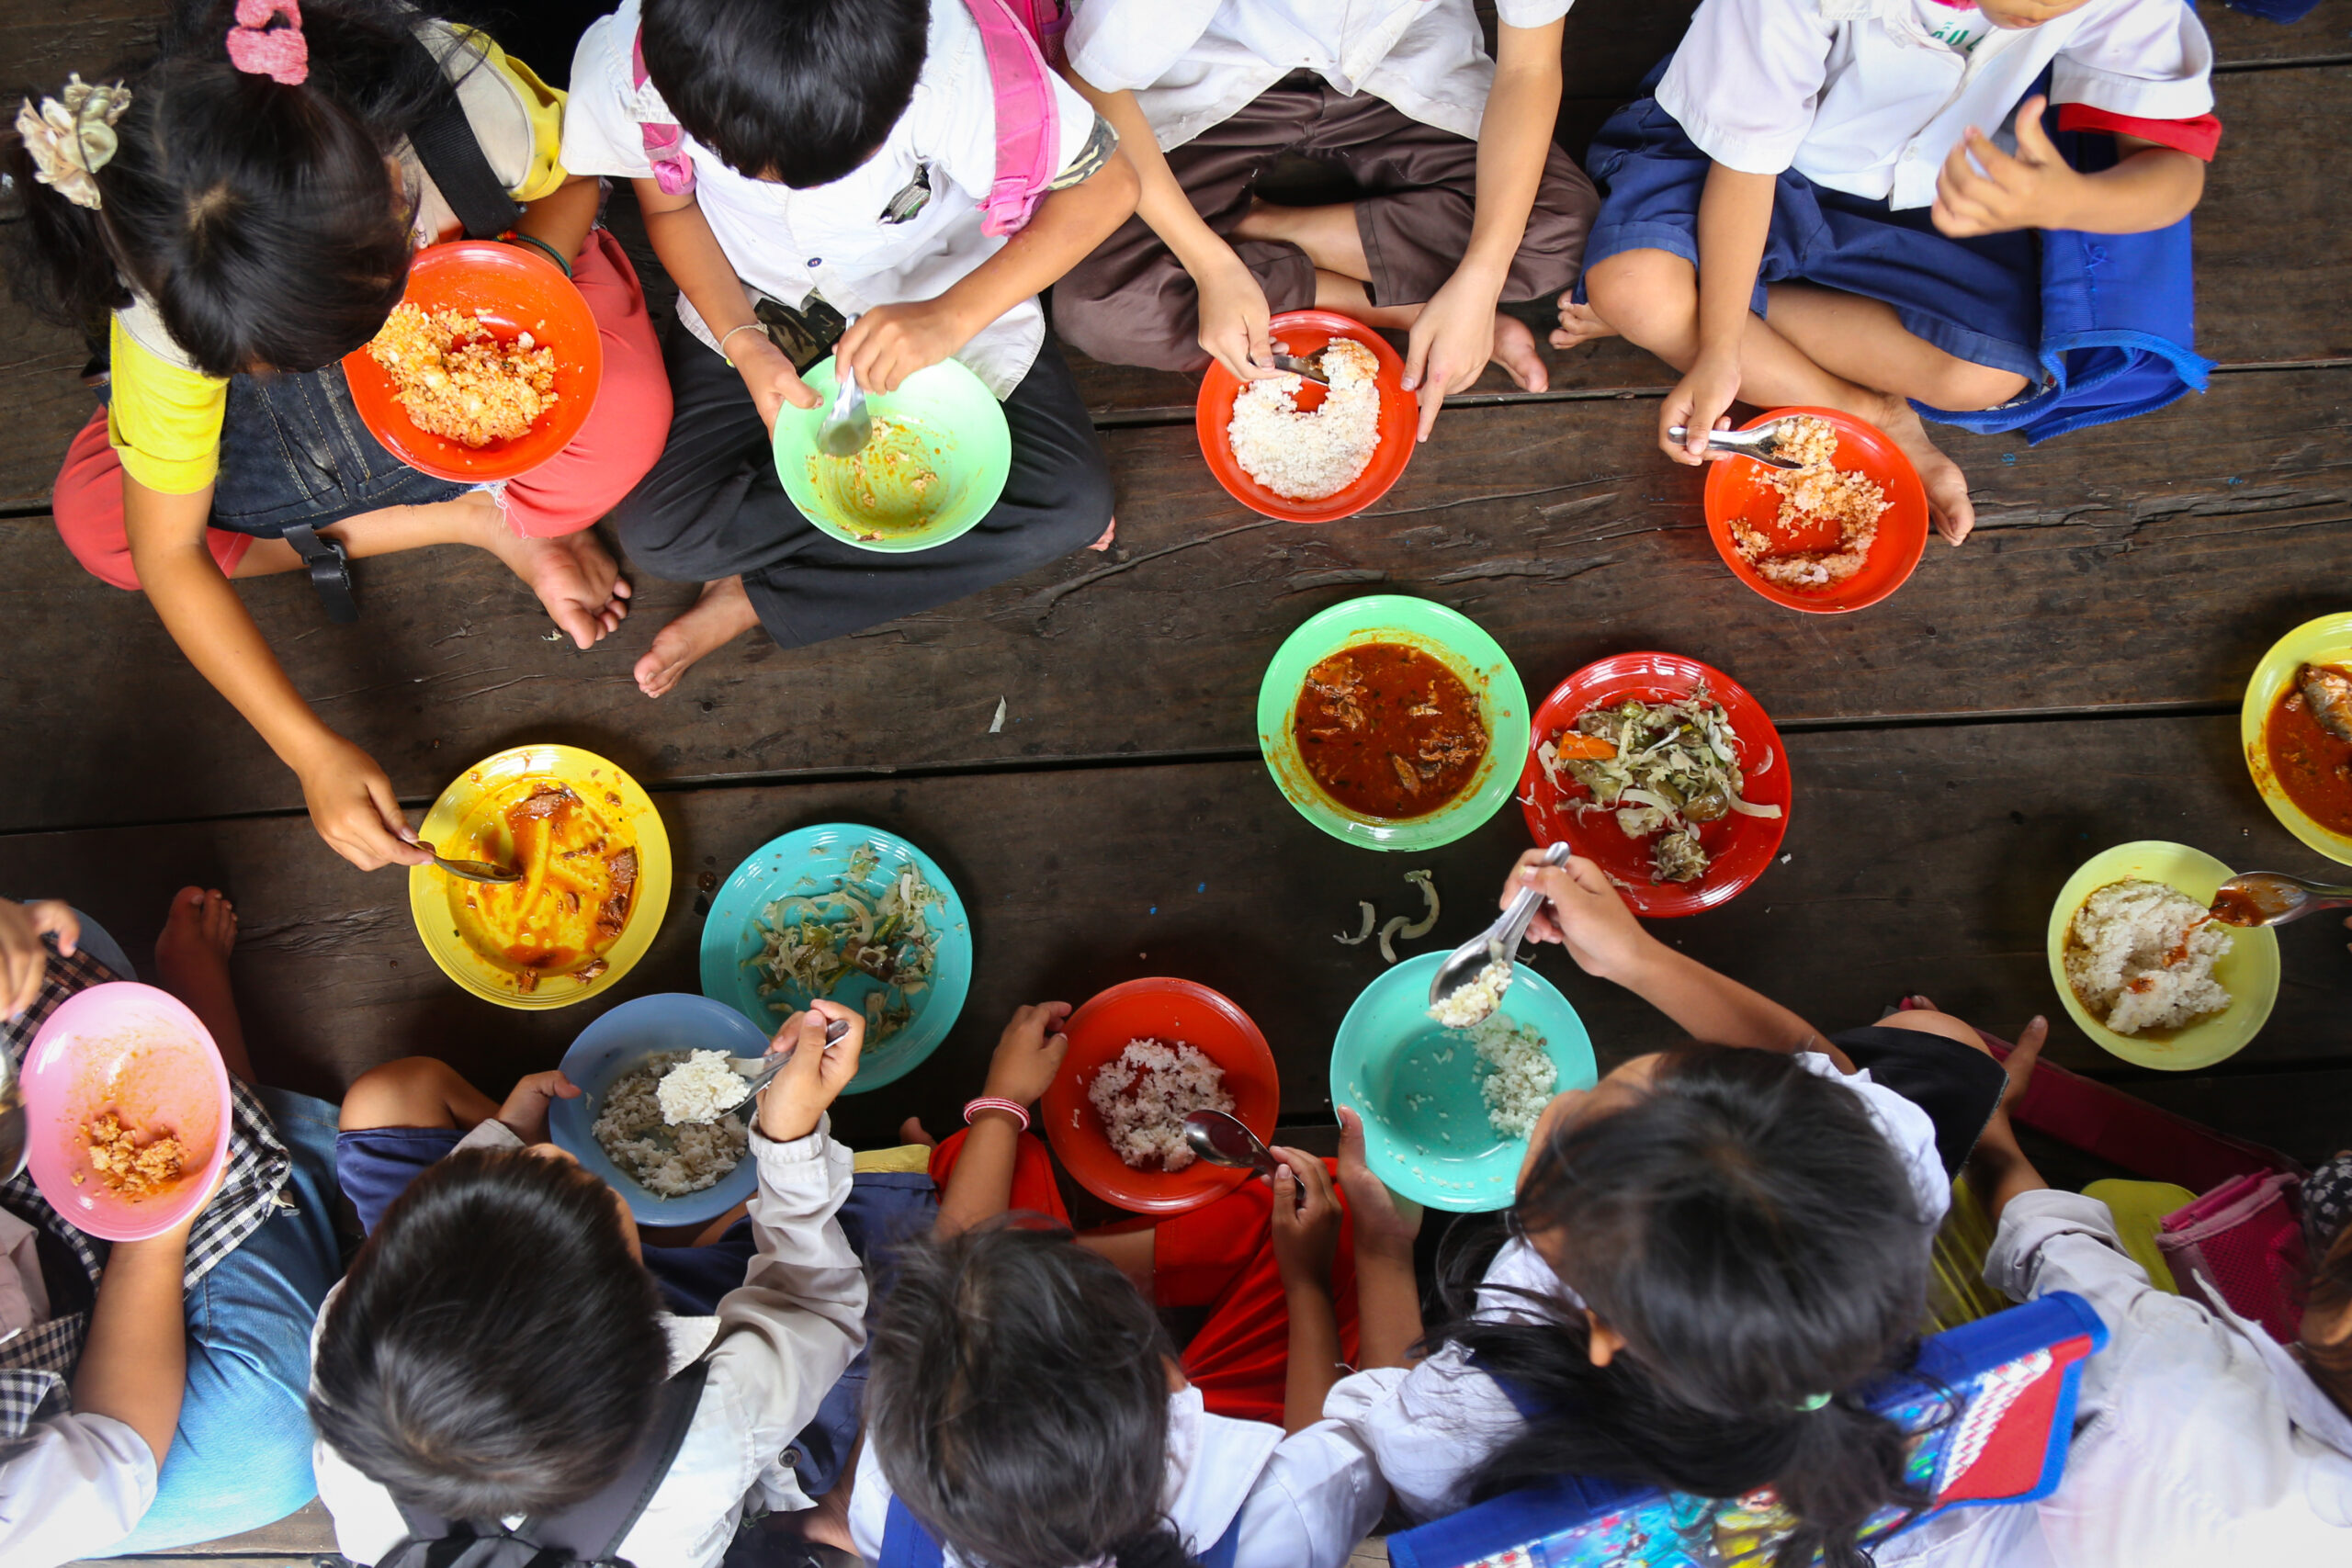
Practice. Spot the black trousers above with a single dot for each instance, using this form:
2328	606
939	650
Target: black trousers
713	508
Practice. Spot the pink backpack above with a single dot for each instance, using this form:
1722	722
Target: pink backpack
1024	40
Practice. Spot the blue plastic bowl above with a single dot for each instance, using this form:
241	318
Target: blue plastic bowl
1415	1085
609	1049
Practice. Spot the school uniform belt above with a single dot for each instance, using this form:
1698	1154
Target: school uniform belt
329	564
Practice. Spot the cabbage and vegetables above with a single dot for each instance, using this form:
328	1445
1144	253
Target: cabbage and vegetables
810	944
1664	768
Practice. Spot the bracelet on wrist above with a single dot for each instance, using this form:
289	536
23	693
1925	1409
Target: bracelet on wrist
516	237
1019	1111
729	335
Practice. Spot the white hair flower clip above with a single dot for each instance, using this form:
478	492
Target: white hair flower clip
70	138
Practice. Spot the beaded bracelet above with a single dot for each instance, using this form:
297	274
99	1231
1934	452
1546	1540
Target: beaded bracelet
990	1103
516	237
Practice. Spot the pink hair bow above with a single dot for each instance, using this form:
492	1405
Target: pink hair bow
255	48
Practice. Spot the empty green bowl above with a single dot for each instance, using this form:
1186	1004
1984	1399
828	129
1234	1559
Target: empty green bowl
939	458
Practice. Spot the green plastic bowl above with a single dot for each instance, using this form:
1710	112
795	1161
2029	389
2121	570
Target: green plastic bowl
949	426
1415	1085
1455	640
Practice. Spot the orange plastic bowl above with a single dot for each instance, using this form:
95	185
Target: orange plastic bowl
140	1054
1170	1011
516	290
1738	489
1303	332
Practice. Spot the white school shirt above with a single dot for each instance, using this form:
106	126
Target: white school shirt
1862	97
1304	1501
2200	1441
831	240
778	1343
1430	1428
1194	63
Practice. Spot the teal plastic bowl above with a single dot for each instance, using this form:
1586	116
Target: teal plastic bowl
1455	640
1415	1085
949	427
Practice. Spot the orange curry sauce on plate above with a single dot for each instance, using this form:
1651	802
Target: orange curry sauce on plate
2313	765
1388	731
578	879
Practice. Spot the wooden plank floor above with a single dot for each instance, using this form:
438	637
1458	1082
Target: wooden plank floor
2067	681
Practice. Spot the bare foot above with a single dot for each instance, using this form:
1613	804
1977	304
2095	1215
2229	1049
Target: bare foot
1579	324
1110	534
721	614
574	576
192	963
1947	487
1515	351
911	1131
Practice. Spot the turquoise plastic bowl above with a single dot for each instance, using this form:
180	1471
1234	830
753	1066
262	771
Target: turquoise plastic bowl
953	425
1415	1085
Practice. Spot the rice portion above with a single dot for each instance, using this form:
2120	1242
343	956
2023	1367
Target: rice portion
132	1169
1520	1076
2141	956
1143	1095
1853	501
1307	457
667	1161
698	1089
454	379
1474	1002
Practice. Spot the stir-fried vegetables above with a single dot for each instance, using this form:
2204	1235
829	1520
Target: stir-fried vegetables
810	944
1671	767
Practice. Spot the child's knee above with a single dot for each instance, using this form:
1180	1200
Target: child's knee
1650	296
1964	385
1924	1022
410	1092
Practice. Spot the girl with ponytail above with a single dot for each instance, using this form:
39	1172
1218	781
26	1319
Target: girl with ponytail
228	218
1713	1253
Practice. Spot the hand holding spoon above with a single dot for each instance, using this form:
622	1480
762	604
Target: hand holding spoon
1465	963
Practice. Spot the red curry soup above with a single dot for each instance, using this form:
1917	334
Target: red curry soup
1386	731
578	879
2309	756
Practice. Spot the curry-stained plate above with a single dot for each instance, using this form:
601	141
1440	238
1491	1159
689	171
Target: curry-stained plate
2327	640
468	822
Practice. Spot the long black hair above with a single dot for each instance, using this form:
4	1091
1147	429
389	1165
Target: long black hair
1018	1401
261	218
1754	1238
495	1348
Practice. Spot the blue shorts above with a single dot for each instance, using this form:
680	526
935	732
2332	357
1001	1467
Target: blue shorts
884	1208
1978	299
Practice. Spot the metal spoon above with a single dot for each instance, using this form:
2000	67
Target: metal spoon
12	1126
1311	367
1221	1139
470	870
2272	898
1467	963
1763	444
760	1069
847	427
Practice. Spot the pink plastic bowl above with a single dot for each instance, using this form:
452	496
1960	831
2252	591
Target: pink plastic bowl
140	1054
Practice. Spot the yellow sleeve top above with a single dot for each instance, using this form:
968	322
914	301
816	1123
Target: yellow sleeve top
164	415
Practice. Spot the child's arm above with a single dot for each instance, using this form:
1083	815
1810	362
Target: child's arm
349	797
24	961
561	218
1028	1054
890	342
1306	1240
1233	309
689	252
1388	1297
1735	216
134	1364
1583	912
1454	336
1998	1167
2150	187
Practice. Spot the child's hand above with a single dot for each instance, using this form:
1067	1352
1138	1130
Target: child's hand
890	342
1698	403
352	807
1306	1235
1582	911
526	1110
769	376
1028	1054
1448	345
2036	189
795	1098
24	961
2022	1058
1385	1223
1234	320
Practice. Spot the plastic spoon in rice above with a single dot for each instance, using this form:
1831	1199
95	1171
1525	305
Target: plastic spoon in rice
2272	898
1498	944
757	1070
1763	444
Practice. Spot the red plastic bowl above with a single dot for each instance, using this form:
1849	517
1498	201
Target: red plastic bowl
517	291
1303	332
1739	848
1737	489
140	1053
1170	1011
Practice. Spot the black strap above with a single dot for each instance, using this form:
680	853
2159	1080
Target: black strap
444	142
593	1531
329	568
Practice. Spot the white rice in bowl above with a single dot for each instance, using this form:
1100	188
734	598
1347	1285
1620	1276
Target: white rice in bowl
1307	457
2139	955
1144	1094
667	1161
700	1089
1520	1076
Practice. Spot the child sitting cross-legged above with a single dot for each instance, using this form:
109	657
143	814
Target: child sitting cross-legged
802	164
500	1354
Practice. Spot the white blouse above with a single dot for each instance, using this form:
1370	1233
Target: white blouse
1869	96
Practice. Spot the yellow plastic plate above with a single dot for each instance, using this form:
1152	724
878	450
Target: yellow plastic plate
477	796
2250	972
2327	640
